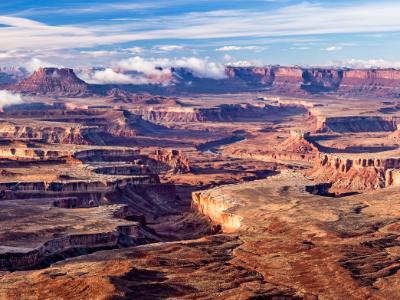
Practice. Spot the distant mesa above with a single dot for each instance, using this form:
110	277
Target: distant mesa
278	80
53	81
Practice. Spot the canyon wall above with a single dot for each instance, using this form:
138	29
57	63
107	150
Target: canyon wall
300	81
351	174
12	258
82	188
46	133
357	124
15	153
173	159
217	210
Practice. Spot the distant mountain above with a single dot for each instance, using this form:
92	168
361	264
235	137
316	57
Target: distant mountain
277	80
53	81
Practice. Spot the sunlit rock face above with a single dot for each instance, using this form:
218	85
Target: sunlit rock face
61	82
357	174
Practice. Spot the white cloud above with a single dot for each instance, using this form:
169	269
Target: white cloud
202	68
359	17
100	53
169	48
93	9
333	48
8	98
109	76
238	48
367	63
36	63
245	63
150	66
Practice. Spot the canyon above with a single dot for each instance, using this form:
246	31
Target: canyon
273	183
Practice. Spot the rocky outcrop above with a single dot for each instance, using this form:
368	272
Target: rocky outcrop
321	80
374	77
53	81
288	75
217	209
173	159
297	147
48	133
299	142
260	75
15	153
357	174
357	124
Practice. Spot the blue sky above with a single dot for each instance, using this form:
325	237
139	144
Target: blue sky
287	32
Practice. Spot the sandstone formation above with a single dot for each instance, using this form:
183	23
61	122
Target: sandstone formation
49	133
173	158
358	124
297	147
357	174
53	81
289	81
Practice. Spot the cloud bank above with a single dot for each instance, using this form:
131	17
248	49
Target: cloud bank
200	67
36	63
139	70
109	76
8	98
238	48
366	63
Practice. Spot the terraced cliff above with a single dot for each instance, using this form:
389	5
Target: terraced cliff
357	124
357	174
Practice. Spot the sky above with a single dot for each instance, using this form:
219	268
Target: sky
200	33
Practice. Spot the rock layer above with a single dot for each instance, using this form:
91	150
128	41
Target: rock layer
62	82
357	174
